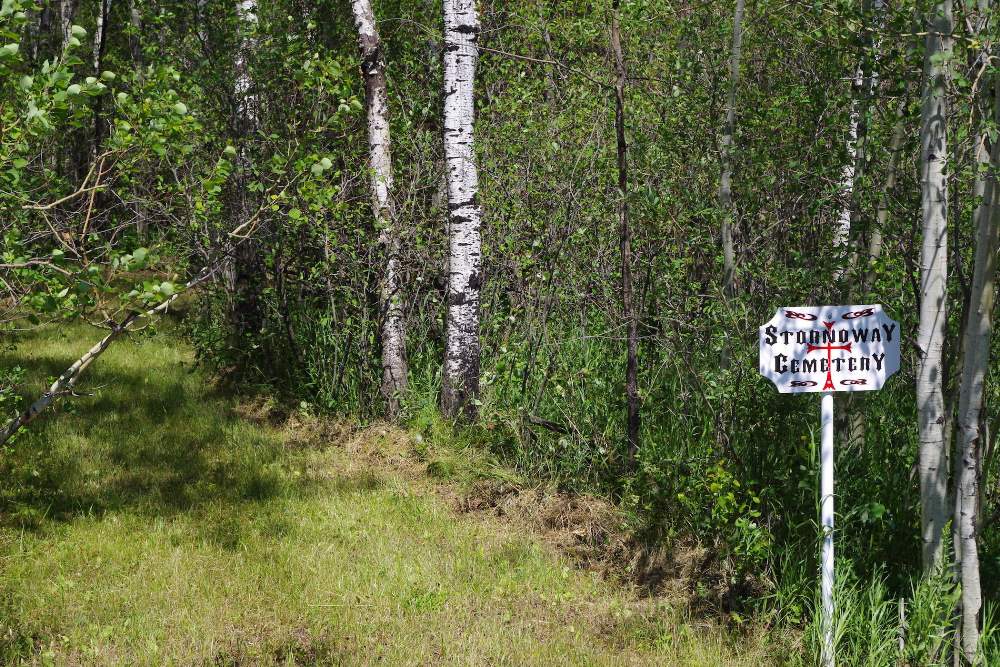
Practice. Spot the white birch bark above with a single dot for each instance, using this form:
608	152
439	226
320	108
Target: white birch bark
933	285
102	17
67	381
67	9
380	158
246	99
976	354
863	84
460	390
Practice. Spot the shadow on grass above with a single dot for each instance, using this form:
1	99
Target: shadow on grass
154	436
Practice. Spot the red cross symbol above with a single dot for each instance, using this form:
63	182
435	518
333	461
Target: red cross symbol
829	347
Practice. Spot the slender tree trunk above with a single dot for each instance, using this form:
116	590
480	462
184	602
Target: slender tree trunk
248	267
933	286
67	10
460	390
875	239
865	79
100	40
135	49
726	176
976	354
377	102
135	38
628	298
102	18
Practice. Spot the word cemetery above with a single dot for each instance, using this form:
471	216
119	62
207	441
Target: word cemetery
829	348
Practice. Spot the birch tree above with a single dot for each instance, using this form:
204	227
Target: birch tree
102	18
933	284
67	10
976	342
460	390
380	158
100	40
864	80
628	298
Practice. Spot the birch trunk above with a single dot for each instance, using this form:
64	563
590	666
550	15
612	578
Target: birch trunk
933	286
628	306
865	79
67	381
976	354
102	18
67	9
100	39
726	176
377	102
460	390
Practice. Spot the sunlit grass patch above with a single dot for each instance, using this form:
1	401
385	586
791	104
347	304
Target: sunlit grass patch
150	523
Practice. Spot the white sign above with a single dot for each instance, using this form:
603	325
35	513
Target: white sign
829	348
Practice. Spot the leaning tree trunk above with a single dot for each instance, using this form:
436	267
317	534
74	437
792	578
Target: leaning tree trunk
460	390
377	101
726	173
933	286
632	415
976	354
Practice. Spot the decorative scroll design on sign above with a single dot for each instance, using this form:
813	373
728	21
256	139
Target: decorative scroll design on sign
792	315
867	312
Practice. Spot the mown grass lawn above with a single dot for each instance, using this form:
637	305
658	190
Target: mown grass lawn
149	523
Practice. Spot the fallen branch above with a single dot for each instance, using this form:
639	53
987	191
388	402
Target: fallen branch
546	424
65	382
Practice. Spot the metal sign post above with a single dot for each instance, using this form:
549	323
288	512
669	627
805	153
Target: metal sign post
826	520
866	343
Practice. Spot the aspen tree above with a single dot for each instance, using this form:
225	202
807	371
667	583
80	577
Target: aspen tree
100	40
380	158
67	10
976	355
460	390
933	285
864	81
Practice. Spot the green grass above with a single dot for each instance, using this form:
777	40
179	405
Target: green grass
148	523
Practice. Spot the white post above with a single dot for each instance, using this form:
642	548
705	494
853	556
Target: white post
826	519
